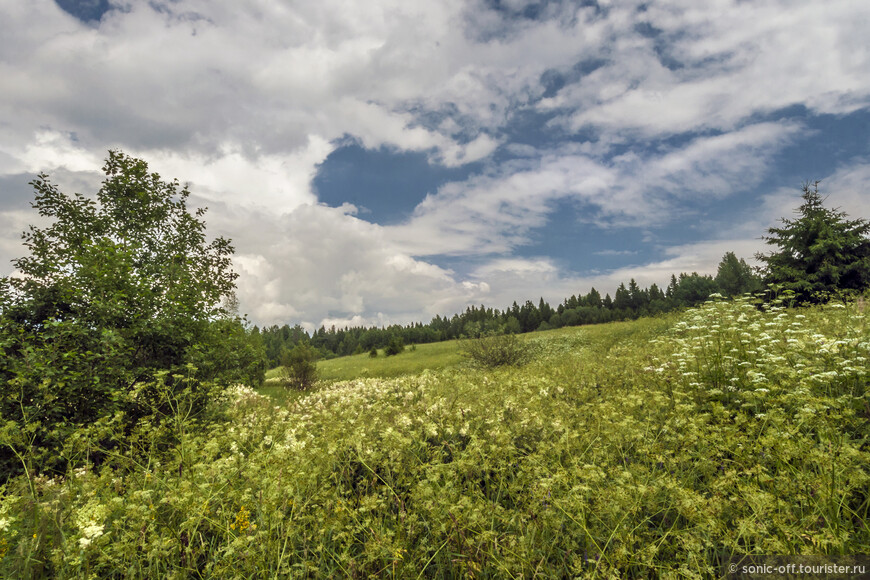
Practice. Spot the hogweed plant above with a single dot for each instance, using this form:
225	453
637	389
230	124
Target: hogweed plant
653	448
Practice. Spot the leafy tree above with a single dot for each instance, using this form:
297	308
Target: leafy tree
472	329
692	289
819	254
735	277
512	325
115	291
300	366
228	353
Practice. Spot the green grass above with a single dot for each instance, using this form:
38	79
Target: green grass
431	356
649	449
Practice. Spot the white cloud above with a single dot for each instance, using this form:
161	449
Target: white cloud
495	212
244	99
736	60
275	181
324	265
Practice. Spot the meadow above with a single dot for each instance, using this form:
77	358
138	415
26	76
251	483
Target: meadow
656	448
415	360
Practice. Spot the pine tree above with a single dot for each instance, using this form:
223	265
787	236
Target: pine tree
821	253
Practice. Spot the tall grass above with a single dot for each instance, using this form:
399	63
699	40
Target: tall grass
653	448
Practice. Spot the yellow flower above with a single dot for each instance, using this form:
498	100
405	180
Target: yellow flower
243	521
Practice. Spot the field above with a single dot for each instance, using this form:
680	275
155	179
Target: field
653	448
414	360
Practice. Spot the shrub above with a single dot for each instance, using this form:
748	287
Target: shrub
396	346
373	353
497	350
228	353
300	368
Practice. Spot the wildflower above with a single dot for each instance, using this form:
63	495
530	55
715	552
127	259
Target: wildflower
89	534
242	523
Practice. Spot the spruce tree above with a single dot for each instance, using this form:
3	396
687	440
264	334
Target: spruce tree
819	254
735	277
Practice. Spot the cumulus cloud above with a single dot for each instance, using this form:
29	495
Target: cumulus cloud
323	265
653	107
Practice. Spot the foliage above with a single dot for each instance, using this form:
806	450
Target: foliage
735	277
693	289
819	254
300	366
373	353
497	350
396	346
229	353
114	290
610	455
630	302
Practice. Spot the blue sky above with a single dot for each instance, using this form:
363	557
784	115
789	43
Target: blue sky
391	160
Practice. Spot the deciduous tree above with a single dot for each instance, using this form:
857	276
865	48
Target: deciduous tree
115	290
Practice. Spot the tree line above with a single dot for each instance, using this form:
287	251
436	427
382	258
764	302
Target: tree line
734	277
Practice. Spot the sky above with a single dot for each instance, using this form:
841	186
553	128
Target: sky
386	161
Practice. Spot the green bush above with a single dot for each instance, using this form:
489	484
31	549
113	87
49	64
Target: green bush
396	346
497	350
115	290
228	353
300	366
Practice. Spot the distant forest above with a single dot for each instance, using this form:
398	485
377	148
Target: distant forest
734	277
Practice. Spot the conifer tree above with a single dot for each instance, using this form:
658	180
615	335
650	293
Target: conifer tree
735	277
819	254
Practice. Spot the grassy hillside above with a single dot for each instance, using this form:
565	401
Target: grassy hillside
653	448
432	356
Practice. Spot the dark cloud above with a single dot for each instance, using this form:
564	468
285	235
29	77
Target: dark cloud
15	191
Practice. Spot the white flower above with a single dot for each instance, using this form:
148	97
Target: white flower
93	531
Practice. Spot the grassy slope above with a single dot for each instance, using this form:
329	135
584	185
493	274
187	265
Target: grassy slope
655	447
426	356
433	356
